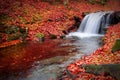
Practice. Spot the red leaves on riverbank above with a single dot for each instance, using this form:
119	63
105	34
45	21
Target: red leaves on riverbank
102	55
43	17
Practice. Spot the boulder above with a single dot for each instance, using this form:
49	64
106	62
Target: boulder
115	17
108	69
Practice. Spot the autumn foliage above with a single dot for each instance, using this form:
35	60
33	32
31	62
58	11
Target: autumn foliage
41	16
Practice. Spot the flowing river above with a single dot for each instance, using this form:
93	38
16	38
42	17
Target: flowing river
43	61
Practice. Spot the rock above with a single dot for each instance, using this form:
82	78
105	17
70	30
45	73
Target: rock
76	24
64	32
115	17
109	69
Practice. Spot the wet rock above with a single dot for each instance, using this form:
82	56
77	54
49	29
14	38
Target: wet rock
115	17
76	24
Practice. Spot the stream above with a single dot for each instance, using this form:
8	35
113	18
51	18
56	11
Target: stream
43	61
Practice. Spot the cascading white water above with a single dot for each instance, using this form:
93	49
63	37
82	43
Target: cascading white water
83	24
108	19
92	24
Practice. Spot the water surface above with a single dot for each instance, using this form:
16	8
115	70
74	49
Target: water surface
43	61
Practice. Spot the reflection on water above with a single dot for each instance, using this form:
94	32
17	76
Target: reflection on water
42	61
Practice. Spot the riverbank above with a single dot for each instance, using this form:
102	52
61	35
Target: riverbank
102	55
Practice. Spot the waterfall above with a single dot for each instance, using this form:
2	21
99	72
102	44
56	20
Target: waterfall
83	24
93	24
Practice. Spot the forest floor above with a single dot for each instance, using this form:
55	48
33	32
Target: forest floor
46	18
49	18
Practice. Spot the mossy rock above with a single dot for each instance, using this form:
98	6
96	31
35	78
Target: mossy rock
40	35
95	69
116	46
109	69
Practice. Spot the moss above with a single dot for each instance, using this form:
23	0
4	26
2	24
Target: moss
95	69
108	69
116	46
40	35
